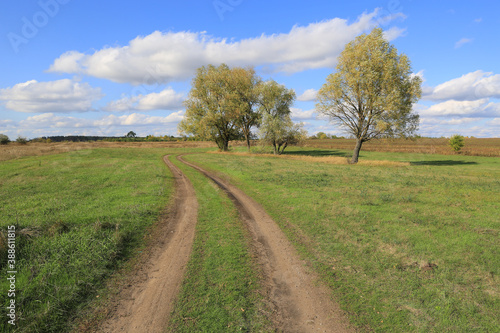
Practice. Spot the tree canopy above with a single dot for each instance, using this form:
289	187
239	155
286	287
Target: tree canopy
225	104
372	92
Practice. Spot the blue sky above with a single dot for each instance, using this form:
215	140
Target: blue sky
73	67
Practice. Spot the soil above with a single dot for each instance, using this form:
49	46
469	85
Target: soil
145	305
298	300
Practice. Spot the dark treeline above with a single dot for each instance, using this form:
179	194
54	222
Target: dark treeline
82	138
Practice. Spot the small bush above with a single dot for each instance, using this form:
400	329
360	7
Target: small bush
22	140
456	142
4	139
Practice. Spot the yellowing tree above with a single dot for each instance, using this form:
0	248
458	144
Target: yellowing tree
211	108
222	105
372	93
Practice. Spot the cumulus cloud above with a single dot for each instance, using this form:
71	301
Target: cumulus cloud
55	96
53	124
469	87
478	108
308	96
462	41
163	57
299	114
167	99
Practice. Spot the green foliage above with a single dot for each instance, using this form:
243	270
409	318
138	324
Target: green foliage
457	142
131	134
215	105
373	91
4	139
276	127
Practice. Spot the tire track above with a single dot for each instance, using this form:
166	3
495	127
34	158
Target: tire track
146	304
298	302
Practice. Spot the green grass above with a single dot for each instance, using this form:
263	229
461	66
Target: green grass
371	232
221	289
78	216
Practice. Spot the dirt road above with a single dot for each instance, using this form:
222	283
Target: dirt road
145	306
300	304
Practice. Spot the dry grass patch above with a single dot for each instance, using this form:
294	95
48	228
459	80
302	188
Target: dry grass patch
322	159
15	150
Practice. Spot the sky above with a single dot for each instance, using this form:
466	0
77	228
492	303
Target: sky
74	67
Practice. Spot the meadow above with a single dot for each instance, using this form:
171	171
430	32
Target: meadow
411	247
77	215
406	241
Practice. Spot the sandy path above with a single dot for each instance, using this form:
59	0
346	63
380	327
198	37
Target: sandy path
300	304
145	306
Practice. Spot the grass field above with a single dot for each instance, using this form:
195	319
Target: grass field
406	241
473	146
404	248
77	215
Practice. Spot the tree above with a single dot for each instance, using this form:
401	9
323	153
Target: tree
281	132
4	139
372	93
456	142
246	86
276	127
131	134
214	107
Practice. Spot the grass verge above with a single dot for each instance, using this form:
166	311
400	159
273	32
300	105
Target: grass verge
407	248
221	289
77	216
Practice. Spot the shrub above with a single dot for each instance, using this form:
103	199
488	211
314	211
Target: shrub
456	142
21	140
4	139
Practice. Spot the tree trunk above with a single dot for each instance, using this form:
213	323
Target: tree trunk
275	151
355	154
226	145
247	137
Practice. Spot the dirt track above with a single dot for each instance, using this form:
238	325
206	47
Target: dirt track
145	306
299	304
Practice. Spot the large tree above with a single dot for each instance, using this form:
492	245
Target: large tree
276	126
246	86
372	93
212	107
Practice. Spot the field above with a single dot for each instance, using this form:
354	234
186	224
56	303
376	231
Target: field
404	242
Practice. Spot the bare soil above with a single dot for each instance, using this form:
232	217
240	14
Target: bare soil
145	305
299	302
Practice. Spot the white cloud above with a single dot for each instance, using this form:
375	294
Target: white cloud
452	121
299	114
167	99
55	96
174	56
479	108
51	124
462	41
472	86
308	96
138	119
